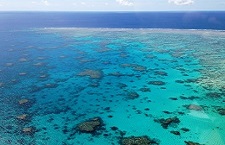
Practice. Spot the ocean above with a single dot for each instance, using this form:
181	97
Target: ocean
174	20
112	78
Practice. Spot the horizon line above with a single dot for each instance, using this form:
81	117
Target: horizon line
172	11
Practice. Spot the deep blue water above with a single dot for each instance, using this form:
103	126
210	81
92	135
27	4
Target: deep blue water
178	20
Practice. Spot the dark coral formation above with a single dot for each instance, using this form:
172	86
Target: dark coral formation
90	126
185	129
135	67
221	111
132	95
118	74
139	68
214	95
179	81
187	81
121	85
166	122
158	83
191	143
175	132
114	128
189	98
145	89
191	80
142	140
161	73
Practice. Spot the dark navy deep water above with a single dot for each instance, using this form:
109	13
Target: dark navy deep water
177	20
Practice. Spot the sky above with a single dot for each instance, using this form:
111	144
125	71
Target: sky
112	5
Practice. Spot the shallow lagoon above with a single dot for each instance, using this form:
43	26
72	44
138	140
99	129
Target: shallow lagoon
133	80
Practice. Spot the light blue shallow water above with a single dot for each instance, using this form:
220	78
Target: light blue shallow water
130	78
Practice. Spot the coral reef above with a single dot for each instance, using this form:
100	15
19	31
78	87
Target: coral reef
191	143
26	103
166	122
22	73
29	130
23	101
134	67
189	98
119	74
145	89
9	64
132	95
22	117
185	129
22	60
94	74
161	73
142	140
175	132
194	107
221	111
158	83
90	126
214	95
121	85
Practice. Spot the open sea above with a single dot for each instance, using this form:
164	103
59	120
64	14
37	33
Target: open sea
147	78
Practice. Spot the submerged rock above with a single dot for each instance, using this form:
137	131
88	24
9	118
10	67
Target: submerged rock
166	122
90	126
142	140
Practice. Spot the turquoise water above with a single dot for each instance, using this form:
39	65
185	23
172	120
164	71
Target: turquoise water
132	79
